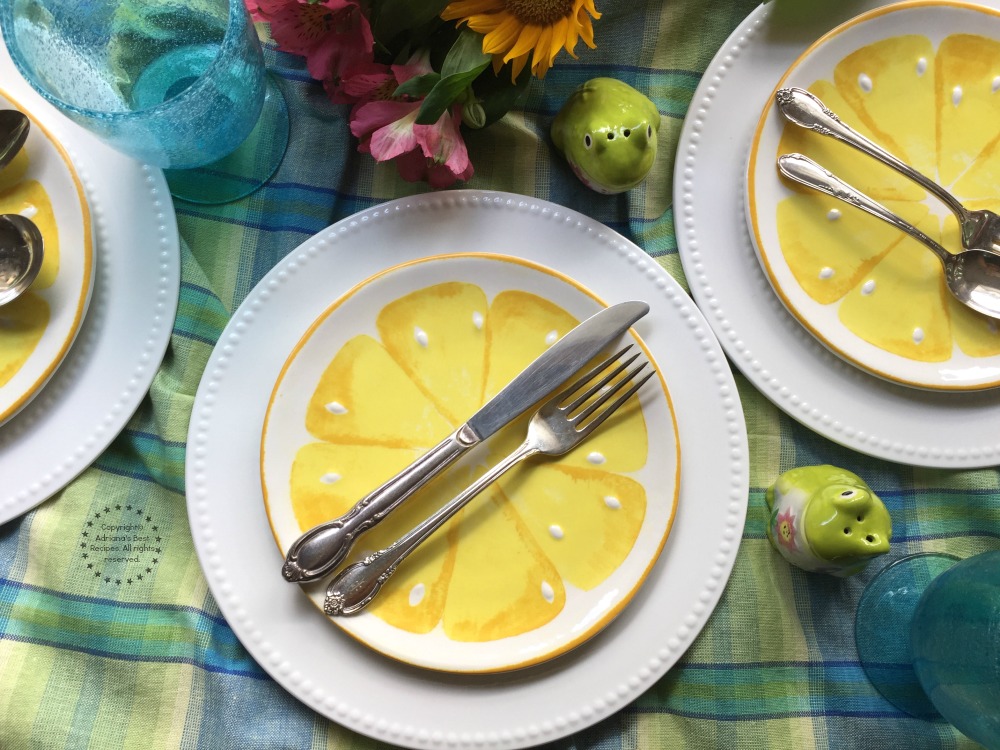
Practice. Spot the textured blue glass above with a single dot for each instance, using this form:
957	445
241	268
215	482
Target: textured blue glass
955	638
882	629
928	636
174	83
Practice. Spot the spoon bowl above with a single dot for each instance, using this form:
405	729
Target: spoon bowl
14	128
972	276
21	251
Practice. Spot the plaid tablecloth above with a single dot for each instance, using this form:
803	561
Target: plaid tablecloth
148	661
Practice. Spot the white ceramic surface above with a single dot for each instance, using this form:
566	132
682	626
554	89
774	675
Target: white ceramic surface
765	190
68	295
768	345
111	364
347	682
585	612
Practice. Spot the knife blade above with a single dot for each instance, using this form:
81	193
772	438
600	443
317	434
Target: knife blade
322	548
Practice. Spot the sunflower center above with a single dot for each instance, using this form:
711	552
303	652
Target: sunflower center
539	12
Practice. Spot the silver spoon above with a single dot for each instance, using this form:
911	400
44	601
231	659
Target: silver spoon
14	128
21	250
979	228
973	276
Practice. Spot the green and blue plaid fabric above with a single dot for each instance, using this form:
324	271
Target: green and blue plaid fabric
150	663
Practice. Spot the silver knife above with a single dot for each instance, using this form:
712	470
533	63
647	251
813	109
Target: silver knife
322	548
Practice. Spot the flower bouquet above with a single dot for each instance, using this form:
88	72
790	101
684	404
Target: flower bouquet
416	71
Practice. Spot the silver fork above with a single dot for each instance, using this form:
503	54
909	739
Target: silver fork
555	428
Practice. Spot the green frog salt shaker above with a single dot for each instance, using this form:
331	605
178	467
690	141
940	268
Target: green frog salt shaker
607	132
827	520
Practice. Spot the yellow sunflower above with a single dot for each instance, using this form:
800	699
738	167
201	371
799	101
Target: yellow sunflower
513	30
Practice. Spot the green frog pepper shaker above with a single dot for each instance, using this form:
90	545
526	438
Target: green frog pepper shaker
607	132
827	520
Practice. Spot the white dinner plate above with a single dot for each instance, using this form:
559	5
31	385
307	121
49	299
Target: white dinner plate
38	328
327	669
570	539
859	285
111	364
772	349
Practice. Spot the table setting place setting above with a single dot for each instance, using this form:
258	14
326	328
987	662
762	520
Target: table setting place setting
499	374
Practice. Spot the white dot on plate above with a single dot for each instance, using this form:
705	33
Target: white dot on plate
918	335
548	592
417	594
335	407
612	502
996	84
956	95
477	320
330	478
420	336
865	82
833	214
556	531
596	458
551	337
921	66
868	287
825	272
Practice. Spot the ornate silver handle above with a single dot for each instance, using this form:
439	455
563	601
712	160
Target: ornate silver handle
804	109
804	170
324	547
356	585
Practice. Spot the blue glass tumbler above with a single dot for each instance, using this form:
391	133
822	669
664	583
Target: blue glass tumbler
179	84
928	636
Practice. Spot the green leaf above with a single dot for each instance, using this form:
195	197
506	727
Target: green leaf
498	94
418	86
443	95
397	16
463	64
465	55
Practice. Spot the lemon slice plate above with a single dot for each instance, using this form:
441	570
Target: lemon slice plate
535	565
923	80
38	328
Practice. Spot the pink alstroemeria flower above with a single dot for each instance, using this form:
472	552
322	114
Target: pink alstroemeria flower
361	83
260	10
387	130
332	35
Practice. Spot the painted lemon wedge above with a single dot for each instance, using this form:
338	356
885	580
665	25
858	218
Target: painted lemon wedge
929	95
513	577
37	328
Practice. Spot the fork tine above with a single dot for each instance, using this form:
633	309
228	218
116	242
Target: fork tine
612	390
571	391
616	404
602	383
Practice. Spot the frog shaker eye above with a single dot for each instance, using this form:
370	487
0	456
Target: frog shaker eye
607	132
827	520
